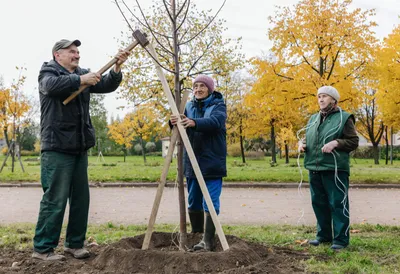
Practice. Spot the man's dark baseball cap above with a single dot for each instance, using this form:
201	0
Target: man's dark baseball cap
64	43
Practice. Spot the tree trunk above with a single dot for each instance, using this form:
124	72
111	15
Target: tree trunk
386	146
13	146
124	150
391	145
6	137
375	150
241	142
143	150
181	191
286	153
273	149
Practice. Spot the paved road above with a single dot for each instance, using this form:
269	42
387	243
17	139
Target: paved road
239	206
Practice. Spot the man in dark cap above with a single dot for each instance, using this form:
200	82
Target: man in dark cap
66	135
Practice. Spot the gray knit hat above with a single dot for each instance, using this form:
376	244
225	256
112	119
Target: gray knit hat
329	90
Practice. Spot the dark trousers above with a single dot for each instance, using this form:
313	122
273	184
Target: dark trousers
196	201
327	198
64	178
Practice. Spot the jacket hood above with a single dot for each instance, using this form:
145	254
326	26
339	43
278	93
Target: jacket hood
214	98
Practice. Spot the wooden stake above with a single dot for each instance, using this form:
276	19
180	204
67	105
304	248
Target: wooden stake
163	180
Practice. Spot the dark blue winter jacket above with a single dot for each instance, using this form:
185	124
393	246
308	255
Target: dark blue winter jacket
208	137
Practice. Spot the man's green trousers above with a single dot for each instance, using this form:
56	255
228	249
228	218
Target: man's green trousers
64	179
331	206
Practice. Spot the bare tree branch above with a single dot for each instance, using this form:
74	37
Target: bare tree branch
152	30
333	63
143	24
198	58
123	15
205	27
169	14
185	16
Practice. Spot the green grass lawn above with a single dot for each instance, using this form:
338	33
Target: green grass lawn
373	249
133	170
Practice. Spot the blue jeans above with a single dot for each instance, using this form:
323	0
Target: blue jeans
196	201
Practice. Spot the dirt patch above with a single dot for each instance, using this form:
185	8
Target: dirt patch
163	256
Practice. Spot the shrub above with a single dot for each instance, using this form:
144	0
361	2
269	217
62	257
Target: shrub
234	150
150	146
110	164
138	148
255	155
114	153
155	153
29	153
363	152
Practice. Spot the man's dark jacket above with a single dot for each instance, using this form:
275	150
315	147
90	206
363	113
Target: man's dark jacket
208	137
68	128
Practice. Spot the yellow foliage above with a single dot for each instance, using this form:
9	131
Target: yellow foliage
316	43
388	69
321	42
141	123
13	106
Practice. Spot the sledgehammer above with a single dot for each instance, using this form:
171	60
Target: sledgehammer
140	38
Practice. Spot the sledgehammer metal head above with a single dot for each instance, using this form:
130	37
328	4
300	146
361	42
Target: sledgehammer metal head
141	37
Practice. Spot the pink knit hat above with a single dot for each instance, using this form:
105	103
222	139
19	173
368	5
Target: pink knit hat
207	80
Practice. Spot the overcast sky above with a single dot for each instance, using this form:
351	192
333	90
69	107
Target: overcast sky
29	29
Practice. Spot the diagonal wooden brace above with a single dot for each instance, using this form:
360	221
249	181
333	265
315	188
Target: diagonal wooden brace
140	38
163	179
189	150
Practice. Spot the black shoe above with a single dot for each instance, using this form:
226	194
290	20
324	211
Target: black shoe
314	242
317	242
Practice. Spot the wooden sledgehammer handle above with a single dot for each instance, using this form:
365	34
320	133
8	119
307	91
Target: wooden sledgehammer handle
140	39
101	71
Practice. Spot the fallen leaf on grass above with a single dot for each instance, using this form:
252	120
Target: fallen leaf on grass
301	242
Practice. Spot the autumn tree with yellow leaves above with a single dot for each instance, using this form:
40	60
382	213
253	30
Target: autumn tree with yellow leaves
122	134
388	70
234	87
315	43
321	42
272	108
388	93
14	107
141	124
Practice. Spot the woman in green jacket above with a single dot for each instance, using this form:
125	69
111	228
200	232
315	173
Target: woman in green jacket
330	137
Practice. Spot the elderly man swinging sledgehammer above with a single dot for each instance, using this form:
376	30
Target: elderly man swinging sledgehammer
66	135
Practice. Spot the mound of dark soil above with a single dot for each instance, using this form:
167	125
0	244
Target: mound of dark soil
163	256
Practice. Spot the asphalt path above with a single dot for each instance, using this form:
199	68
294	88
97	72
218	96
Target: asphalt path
253	206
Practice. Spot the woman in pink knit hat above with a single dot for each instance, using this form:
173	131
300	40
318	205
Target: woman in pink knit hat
204	120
